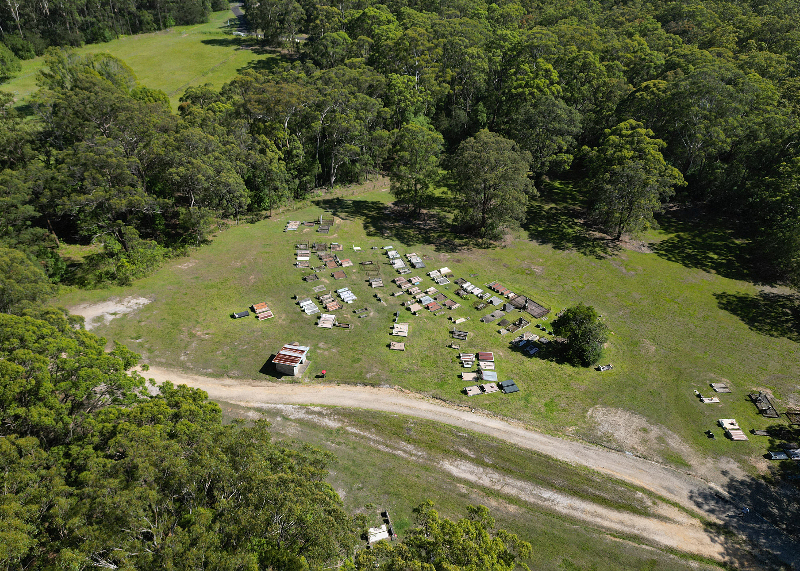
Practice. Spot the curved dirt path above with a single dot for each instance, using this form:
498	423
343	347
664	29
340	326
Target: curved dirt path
676	531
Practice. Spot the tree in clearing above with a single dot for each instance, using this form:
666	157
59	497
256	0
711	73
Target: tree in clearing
417	149
491	184
580	325
631	179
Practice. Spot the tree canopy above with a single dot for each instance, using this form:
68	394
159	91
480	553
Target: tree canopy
415	165
96	471
695	105
630	178
585	334
439	544
491	184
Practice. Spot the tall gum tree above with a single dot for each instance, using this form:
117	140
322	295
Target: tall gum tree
491	184
630	178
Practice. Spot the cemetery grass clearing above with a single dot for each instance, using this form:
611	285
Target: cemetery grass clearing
670	335
370	477
170	60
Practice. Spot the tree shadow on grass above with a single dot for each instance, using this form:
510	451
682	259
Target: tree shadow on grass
558	218
393	223
772	314
700	243
770	526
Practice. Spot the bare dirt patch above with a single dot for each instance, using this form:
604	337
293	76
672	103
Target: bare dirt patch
632	433
102	313
635	245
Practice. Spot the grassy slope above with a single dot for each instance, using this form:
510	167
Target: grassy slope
171	60
370	472
670	333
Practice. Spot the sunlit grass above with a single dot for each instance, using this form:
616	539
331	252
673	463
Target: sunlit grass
170	60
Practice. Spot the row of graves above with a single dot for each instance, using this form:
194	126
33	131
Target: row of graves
325	224
327	255
485	372
766	408
398	330
396	260
729	426
261	311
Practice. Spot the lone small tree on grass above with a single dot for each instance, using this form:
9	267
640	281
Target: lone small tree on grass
580	325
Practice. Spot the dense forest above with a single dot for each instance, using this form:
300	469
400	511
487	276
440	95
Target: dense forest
636	104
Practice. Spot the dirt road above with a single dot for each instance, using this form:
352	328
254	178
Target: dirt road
673	530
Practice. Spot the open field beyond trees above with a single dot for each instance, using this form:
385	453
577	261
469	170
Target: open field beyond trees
170	60
677	325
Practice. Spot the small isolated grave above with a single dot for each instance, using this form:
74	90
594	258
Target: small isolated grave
375	534
459	334
239	314
721	387
764	404
400	329
508	387
262	311
311	278
375	282
469	376
308	306
326	320
397	346
339	275
414	308
346	295
319	288
489	376
732	429
292	225
489	388
473	391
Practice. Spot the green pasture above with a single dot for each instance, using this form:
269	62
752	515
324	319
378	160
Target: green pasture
370	473
680	313
170	60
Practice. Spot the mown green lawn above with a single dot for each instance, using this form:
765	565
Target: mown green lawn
170	60
678	322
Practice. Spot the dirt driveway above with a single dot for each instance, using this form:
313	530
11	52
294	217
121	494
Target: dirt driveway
674	530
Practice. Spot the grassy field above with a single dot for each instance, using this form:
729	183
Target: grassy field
370	473
680	318
170	60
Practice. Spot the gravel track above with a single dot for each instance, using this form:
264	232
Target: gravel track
673	528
